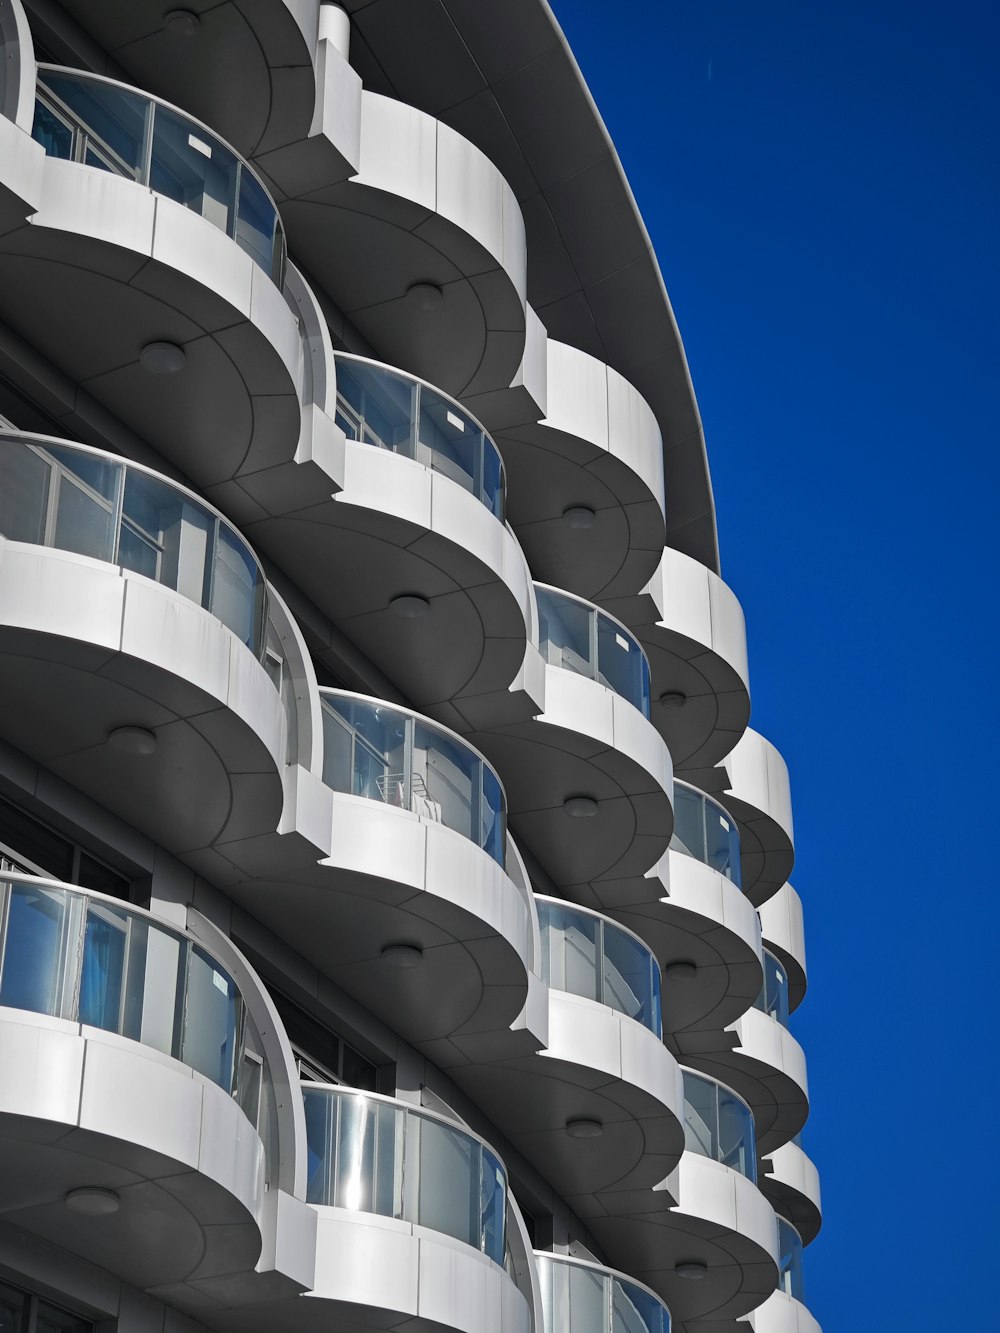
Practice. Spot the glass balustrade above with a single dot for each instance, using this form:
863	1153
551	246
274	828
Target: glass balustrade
706	831
105	125
385	408
372	1154
400	759
575	635
585	954
583	1298
719	1125
773	997
93	960
76	499
790	1261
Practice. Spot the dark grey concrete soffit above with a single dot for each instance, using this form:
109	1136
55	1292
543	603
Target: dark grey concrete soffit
501	73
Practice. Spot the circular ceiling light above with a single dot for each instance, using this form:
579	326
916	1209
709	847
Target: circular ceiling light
673	699
404	956
133	740
579	517
682	970
163	358
584	1129
425	295
181	22
693	1271
580	807
90	1201
409	606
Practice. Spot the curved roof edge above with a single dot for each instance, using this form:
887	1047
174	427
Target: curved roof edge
504	76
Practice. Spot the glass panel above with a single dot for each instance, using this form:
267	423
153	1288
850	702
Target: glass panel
237	589
27	838
250	1078
52	132
192	167
631	982
449	441
493	1207
493	816
448	1180
622	664
211	1020
33	950
355	1167
24	494
102	969
445	782
113	117
377	407
586	1303
736	1138
722	850
773	997
635	1311
94	874
50	1320
689	822
357	1071
152	987
255	223
790	1261
564	633
321	1112
701	1116
12	1306
569	950
704	830
493	479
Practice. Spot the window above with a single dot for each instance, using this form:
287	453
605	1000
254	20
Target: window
320	1055
20	1312
32	848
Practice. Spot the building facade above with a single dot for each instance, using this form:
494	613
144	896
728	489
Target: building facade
395	926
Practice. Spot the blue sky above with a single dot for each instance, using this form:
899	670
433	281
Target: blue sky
820	183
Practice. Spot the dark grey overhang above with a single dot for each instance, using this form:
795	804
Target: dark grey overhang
502	74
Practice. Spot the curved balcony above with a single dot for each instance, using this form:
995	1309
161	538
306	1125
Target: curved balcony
705	830
179	56
163	253
706	935
691	625
588	780
87	118
422	247
412	1211
132	620
759	799
791	1182
782	1314
784	934
587	481
578	1297
598	1111
587	955
380	406
767	1067
576	636
446	589
129	1056
412	911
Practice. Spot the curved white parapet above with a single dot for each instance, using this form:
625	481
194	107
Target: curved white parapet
588	743
759	798
597	455
17	68
423	209
791	1182
87	649
766	1067
692	628
706	936
598	1112
783	1314
784	934
415	533
721	1222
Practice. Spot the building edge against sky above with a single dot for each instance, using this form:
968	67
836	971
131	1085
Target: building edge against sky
395	917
